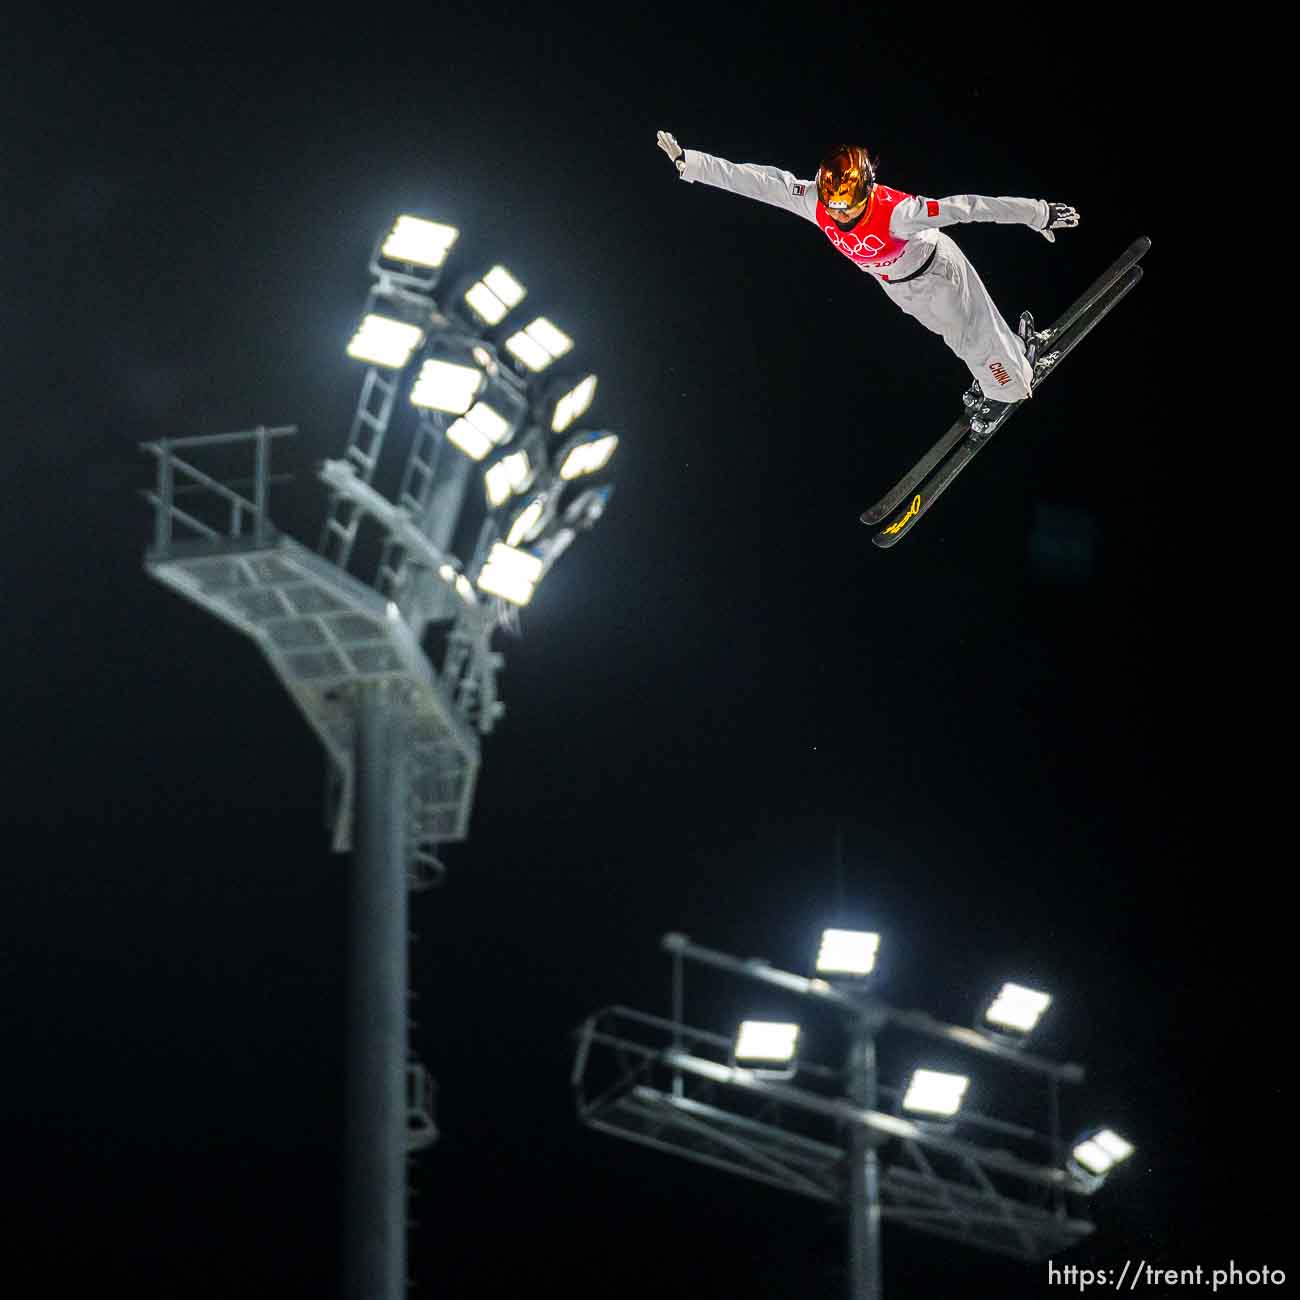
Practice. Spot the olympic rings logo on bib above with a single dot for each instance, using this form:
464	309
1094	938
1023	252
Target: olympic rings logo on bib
852	245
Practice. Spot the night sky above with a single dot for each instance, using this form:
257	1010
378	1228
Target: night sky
1009	721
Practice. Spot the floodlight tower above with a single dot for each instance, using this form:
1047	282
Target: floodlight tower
401	732
727	1102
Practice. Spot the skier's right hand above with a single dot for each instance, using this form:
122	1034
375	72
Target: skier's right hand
1060	216
674	151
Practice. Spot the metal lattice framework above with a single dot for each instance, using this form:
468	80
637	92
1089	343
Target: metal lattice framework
324	633
1000	1186
667	1085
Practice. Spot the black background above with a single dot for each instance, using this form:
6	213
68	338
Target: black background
1021	753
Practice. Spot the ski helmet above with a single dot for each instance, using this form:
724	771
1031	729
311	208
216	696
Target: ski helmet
845	177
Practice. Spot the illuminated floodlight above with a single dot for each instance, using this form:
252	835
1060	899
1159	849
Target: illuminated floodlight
459	582
538	344
766	1046
933	1093
385	342
490	421
525	522
1101	1152
509	475
445	386
587	454
1017	1008
464	435
418	242
479	430
573	404
494	295
510	573
847	952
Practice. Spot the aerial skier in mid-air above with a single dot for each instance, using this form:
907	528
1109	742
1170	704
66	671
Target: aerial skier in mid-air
898	239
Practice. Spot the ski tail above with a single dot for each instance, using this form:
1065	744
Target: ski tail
907	484
1130	257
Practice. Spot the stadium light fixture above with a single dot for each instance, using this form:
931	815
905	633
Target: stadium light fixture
847	952
446	386
526	522
931	1092
1100	1152
1017	1009
585	454
510	573
479	430
767	1047
507	476
458	582
573	404
385	342
496	294
416	242
538	344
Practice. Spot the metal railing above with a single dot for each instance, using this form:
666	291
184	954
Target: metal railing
247	516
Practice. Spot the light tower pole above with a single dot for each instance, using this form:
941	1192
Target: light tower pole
400	730
915	1156
375	1137
863	1191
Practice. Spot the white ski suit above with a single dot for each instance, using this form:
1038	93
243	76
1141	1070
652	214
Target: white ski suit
928	276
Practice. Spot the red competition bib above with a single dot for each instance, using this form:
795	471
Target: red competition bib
869	243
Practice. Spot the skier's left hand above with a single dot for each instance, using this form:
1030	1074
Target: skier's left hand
668	143
1059	217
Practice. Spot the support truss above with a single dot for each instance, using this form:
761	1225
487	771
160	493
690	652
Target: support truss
324	632
666	1085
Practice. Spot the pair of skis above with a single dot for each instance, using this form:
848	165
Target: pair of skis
913	495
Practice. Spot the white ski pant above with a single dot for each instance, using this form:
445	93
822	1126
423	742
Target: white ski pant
950	299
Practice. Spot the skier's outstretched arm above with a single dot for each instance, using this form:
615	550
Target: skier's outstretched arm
770	185
915	214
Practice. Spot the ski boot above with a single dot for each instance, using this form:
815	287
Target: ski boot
986	417
1030	338
984	413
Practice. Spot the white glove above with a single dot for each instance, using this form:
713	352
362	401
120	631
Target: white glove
674	151
1059	217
